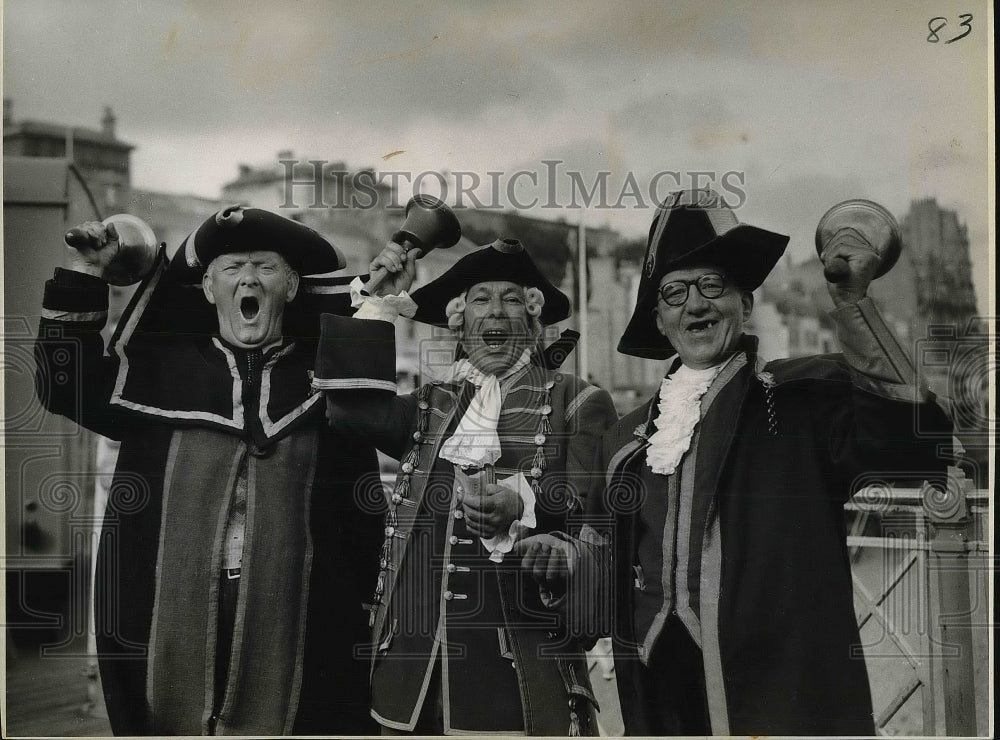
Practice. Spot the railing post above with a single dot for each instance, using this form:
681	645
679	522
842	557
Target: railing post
951	530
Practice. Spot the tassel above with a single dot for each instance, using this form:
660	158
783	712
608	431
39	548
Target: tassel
377	597
537	489
544	427
574	720
539	461
403	487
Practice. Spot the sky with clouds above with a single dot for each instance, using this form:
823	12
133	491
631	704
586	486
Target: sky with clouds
813	102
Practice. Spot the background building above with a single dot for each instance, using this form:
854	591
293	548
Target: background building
102	159
56	176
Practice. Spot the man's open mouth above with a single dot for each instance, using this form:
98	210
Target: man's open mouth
495	338
249	307
697	327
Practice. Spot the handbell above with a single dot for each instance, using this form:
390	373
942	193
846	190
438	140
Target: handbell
136	247
429	224
864	223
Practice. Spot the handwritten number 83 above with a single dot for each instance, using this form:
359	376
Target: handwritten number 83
934	25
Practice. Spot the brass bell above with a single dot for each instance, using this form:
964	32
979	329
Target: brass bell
429	224
862	222
136	247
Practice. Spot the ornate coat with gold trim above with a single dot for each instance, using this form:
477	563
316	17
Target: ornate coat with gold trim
505	663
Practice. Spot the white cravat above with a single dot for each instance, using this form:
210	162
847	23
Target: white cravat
475	442
680	411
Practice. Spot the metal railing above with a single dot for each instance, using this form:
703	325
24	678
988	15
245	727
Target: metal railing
921	566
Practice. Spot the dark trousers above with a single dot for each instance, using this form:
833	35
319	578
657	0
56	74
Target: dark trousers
229	591
672	686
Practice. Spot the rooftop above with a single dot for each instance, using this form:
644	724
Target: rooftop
58	131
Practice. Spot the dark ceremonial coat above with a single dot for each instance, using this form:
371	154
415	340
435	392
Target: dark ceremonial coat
505	663
769	574
190	411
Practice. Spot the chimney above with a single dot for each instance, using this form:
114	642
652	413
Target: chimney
108	123
8	113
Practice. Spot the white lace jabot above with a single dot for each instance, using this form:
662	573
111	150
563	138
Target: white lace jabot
680	410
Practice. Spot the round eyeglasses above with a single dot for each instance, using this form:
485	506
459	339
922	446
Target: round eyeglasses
710	285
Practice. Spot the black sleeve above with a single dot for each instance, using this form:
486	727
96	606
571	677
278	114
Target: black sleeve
890	425
73	378
356	368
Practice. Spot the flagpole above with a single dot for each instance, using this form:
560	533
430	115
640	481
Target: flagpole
581	261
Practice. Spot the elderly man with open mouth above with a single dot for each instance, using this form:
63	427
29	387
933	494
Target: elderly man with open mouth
494	450
233	556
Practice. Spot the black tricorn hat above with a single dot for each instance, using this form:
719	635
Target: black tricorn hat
504	259
240	229
693	228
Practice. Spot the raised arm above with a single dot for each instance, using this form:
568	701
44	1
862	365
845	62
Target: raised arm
73	378
893	424
356	361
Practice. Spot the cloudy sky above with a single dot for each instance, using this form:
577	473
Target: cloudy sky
810	102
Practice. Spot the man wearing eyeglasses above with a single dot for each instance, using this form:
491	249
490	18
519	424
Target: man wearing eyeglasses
718	545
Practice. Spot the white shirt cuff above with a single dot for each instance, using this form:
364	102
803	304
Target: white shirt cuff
381	308
501	544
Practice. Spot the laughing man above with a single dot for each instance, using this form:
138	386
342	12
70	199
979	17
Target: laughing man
492	451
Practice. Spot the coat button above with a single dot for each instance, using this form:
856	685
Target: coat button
417	436
407	468
539	439
397	499
450	567
448	596
546	410
453	540
536	472
423	405
390	531
458	514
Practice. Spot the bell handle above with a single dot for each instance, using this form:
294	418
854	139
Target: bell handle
379	276
78	239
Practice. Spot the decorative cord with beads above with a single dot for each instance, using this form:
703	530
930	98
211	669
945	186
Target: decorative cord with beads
400	493
539	463
767	380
